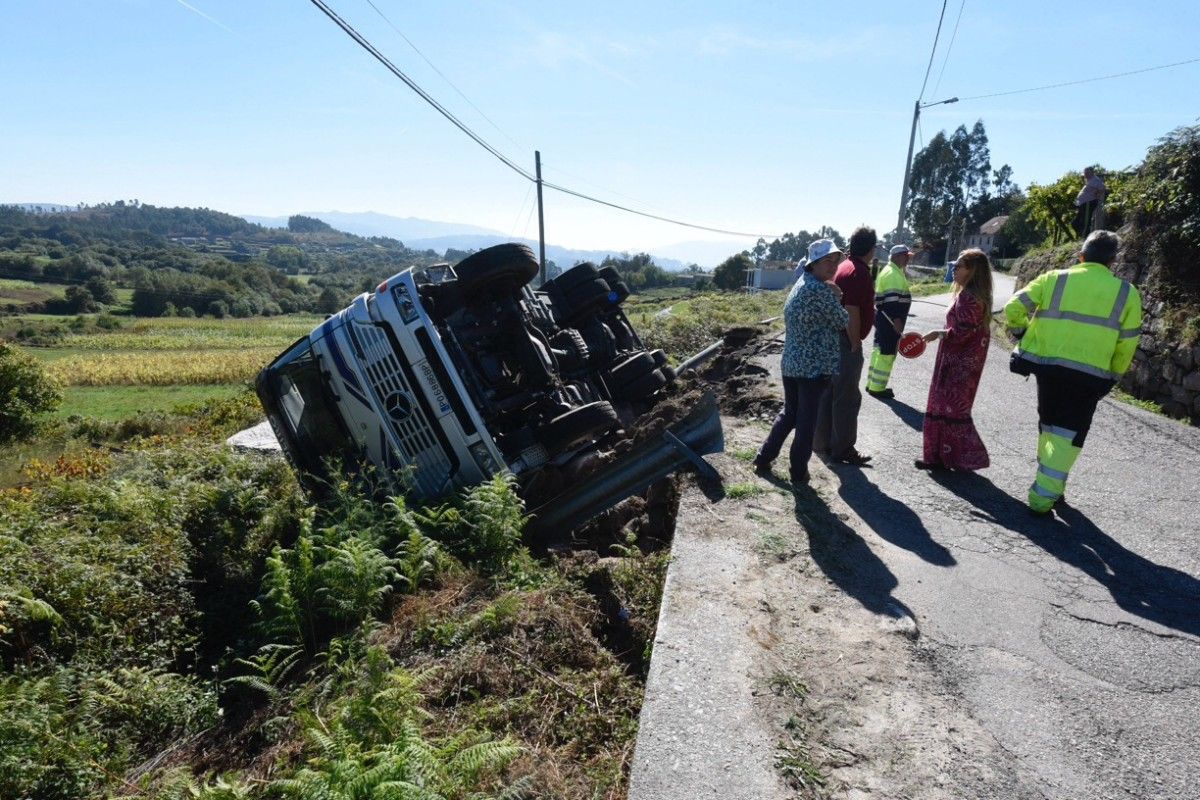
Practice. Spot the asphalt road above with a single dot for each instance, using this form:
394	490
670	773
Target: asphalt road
1075	641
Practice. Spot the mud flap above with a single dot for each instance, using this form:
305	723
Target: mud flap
681	445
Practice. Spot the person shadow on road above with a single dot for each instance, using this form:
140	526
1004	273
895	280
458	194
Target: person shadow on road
890	519
1160	594
845	558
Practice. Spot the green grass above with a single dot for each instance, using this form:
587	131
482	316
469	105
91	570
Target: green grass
738	491
120	402
1128	399
926	288
17	293
744	453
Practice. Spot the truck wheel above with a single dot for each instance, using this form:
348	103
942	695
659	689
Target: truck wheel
668	372
577	426
643	387
587	298
580	273
613	279
659	357
629	370
509	266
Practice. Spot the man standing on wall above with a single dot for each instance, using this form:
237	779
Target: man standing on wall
1088	201
1078	329
837	419
892	301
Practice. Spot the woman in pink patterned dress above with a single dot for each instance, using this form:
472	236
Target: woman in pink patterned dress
951	441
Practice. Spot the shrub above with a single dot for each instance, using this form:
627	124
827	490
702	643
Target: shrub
25	393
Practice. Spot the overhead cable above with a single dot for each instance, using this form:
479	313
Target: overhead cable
1085	80
582	196
370	48
949	47
933	51
433	67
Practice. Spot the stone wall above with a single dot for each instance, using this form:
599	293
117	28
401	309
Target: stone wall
1165	369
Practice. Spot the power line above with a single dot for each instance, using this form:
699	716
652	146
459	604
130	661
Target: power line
949	47
1085	80
582	196
370	48
440	74
932	52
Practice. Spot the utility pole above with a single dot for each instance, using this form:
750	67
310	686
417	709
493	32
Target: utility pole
537	158
917	106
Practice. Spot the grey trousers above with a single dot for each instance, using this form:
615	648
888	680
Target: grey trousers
837	417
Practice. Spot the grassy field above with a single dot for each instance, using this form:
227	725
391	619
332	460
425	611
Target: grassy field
120	402
156	365
19	294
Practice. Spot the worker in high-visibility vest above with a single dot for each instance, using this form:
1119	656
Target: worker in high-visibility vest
892	301
1078	329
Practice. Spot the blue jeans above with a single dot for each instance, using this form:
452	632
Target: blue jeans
801	398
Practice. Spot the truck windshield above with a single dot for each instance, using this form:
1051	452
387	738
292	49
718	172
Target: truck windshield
299	394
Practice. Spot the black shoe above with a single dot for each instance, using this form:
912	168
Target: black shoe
1047	514
882	394
800	478
929	466
761	469
852	457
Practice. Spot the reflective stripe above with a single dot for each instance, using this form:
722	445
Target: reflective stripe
1114	319
1086	319
893	294
1087	369
1042	491
1050	472
1130	334
877	373
1026	300
1057	431
1060	286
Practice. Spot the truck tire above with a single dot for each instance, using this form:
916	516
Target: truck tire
643	387
613	279
587	298
629	370
577	426
659	357
580	273
506	266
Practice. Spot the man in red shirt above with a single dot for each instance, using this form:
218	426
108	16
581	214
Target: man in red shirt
837	418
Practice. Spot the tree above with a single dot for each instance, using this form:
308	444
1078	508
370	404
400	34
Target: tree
952	181
79	300
731	273
101	289
299	223
26	392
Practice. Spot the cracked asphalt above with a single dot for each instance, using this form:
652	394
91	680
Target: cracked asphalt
1074	641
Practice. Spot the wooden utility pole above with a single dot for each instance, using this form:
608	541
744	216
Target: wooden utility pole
537	158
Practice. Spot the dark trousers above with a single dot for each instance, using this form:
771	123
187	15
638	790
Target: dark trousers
1069	401
837	417
1084	215
801	397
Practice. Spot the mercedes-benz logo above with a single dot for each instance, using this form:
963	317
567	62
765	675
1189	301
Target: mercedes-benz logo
398	406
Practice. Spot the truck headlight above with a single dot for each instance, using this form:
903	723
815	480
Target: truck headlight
408	309
483	457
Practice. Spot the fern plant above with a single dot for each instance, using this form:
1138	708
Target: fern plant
267	669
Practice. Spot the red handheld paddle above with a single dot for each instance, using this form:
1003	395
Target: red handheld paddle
911	345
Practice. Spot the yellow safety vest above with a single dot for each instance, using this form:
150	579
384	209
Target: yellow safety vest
1082	318
891	291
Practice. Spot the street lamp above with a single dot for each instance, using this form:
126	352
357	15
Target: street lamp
917	106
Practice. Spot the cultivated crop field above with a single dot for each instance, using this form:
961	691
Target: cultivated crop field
154	364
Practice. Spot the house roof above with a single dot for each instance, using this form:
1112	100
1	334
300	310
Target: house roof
993	225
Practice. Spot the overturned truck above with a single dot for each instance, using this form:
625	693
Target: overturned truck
444	376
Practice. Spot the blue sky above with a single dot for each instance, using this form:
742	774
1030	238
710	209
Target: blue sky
764	117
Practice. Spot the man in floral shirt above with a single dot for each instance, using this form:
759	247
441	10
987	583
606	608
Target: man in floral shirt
814	319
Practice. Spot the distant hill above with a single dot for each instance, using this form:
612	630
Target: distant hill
368	223
43	208
425	234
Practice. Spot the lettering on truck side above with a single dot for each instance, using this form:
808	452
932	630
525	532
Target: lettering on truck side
434	389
